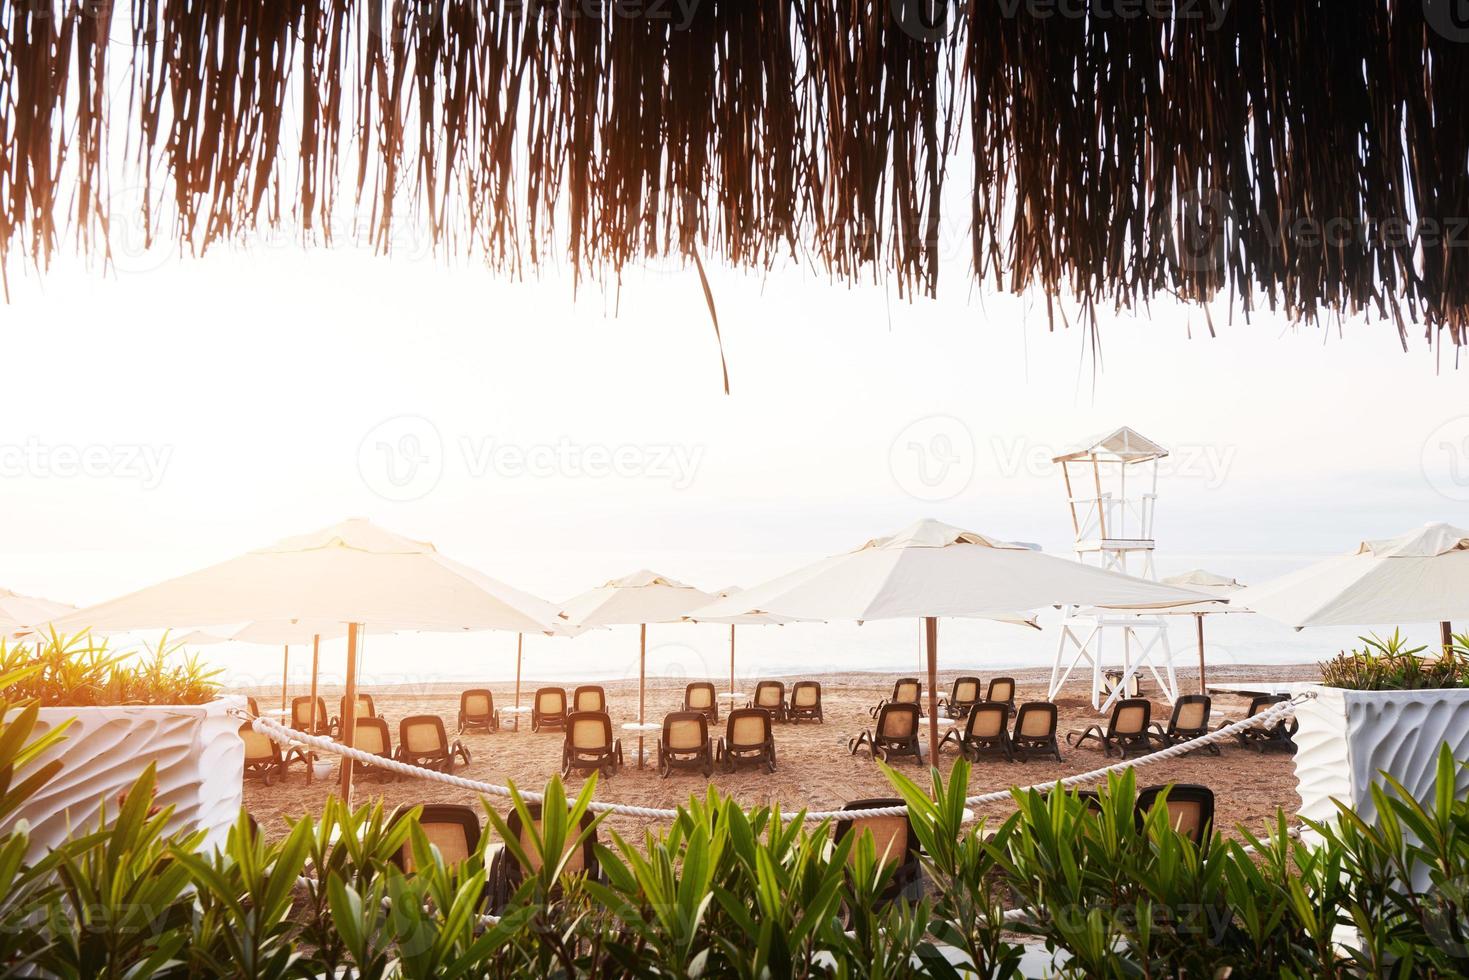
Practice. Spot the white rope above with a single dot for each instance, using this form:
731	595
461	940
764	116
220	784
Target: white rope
279	733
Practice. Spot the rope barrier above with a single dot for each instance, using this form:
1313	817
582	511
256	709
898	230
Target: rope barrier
289	737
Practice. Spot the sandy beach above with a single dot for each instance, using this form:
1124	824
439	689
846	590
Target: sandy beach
815	769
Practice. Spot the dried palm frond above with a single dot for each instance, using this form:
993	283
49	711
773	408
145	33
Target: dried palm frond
1308	155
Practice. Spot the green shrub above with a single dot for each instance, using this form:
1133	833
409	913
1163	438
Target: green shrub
727	893
1392	665
79	671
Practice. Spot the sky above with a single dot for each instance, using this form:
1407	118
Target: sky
175	412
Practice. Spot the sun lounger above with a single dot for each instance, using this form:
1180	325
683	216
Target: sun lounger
453	828
1002	690
1126	731
372	736
589	697
686	744
507	872
986	731
301	716
893	842
805	702
906	690
548	709
770	695
962	696
1190	808
1035	731
896	733
699	696
1280	735
477	710
422	741
366	708
589	745
262	755
1190	720
748	740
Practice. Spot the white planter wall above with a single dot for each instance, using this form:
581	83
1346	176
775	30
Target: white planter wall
1347	737
199	755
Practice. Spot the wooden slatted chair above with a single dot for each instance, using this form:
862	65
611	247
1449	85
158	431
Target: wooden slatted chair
477	710
805	702
422	741
548	709
1035	730
1126	731
896	733
749	739
685	744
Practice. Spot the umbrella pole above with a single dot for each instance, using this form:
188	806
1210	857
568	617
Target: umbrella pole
315	662
731	666
285	672
931	628
349	712
1446	636
642	676
1203	682
519	649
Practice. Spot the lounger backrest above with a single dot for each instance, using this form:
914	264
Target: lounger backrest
1190	807
988	720
258	748
1264	703
301	712
453	828
907	690
372	736
806	694
889	838
699	696
423	735
589	731
748	728
1191	713
769	694
365	707
589	698
897	720
1036	719
684	731
1130	716
551	701
966	689
477	704
1001	689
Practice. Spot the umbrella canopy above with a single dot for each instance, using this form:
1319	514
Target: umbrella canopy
352	572
640	598
1418	577
20	614
932	569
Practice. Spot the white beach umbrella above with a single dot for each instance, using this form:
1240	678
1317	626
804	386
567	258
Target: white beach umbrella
1418	577
638	599
932	570
744	619
21	614
1217	587
351	573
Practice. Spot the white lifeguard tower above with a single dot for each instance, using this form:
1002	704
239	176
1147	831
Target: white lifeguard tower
1112	487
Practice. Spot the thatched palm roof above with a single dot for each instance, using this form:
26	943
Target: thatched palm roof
1307	155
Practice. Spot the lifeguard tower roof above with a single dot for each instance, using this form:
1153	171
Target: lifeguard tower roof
1123	446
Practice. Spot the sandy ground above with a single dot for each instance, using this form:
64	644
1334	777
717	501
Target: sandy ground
814	769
